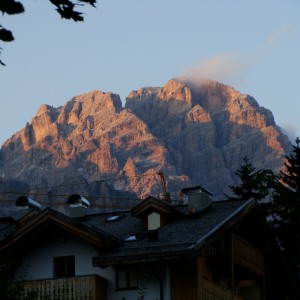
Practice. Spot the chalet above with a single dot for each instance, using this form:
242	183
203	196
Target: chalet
200	250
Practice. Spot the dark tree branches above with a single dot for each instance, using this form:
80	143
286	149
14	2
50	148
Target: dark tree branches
285	209
254	183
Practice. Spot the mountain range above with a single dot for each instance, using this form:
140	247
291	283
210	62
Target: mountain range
92	145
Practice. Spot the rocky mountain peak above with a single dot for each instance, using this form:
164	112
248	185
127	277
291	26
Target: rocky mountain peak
195	134
95	102
176	90
44	109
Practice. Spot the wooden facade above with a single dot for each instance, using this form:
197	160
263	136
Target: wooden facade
229	269
91	287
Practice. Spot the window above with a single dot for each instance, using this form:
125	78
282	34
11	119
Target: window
131	238
64	266
153	221
126	279
114	218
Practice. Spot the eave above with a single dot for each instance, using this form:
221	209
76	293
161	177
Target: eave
222	227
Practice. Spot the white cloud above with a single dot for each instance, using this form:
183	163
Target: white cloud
291	130
229	67
223	67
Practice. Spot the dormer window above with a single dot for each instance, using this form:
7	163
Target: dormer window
155	213
154	221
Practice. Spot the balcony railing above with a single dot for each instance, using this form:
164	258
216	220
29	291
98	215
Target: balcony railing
91	287
248	256
214	291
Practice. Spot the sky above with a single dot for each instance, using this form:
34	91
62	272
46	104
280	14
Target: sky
123	45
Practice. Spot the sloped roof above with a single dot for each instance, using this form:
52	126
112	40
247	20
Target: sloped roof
182	236
175	239
18	232
150	205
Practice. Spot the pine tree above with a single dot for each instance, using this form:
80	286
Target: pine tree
285	207
254	184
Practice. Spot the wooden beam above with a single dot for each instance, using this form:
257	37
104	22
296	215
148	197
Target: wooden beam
200	277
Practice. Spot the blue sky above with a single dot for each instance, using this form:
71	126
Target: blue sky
252	45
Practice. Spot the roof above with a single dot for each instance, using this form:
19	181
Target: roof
18	233
181	236
151	204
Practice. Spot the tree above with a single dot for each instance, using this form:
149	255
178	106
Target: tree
254	184
285	209
66	9
9	290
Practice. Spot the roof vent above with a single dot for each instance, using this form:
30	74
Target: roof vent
198	199
26	204
77	206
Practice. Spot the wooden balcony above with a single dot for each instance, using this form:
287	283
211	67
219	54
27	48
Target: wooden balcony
213	291
91	287
248	256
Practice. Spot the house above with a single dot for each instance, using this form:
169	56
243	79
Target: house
201	250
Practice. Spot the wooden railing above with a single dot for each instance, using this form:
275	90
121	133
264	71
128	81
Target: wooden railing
248	256
91	287
213	291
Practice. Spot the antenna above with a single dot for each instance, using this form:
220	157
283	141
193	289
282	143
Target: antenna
166	194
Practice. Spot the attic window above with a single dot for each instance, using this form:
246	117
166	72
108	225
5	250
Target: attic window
154	221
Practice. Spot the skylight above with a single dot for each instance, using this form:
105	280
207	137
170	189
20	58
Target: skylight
113	218
131	238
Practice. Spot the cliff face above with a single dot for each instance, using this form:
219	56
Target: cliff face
195	134
208	129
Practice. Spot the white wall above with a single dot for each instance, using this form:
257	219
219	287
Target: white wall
38	261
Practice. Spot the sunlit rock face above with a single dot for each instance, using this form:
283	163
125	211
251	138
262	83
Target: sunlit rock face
93	145
213	128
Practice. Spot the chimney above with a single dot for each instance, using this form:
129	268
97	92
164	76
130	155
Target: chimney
198	199
77	206
26	205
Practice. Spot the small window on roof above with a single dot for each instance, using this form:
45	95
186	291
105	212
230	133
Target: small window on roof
131	238
113	218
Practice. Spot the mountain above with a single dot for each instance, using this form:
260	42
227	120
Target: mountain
195	134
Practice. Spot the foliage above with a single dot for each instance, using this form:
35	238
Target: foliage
142	291
10	290
66	9
253	184
285	208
